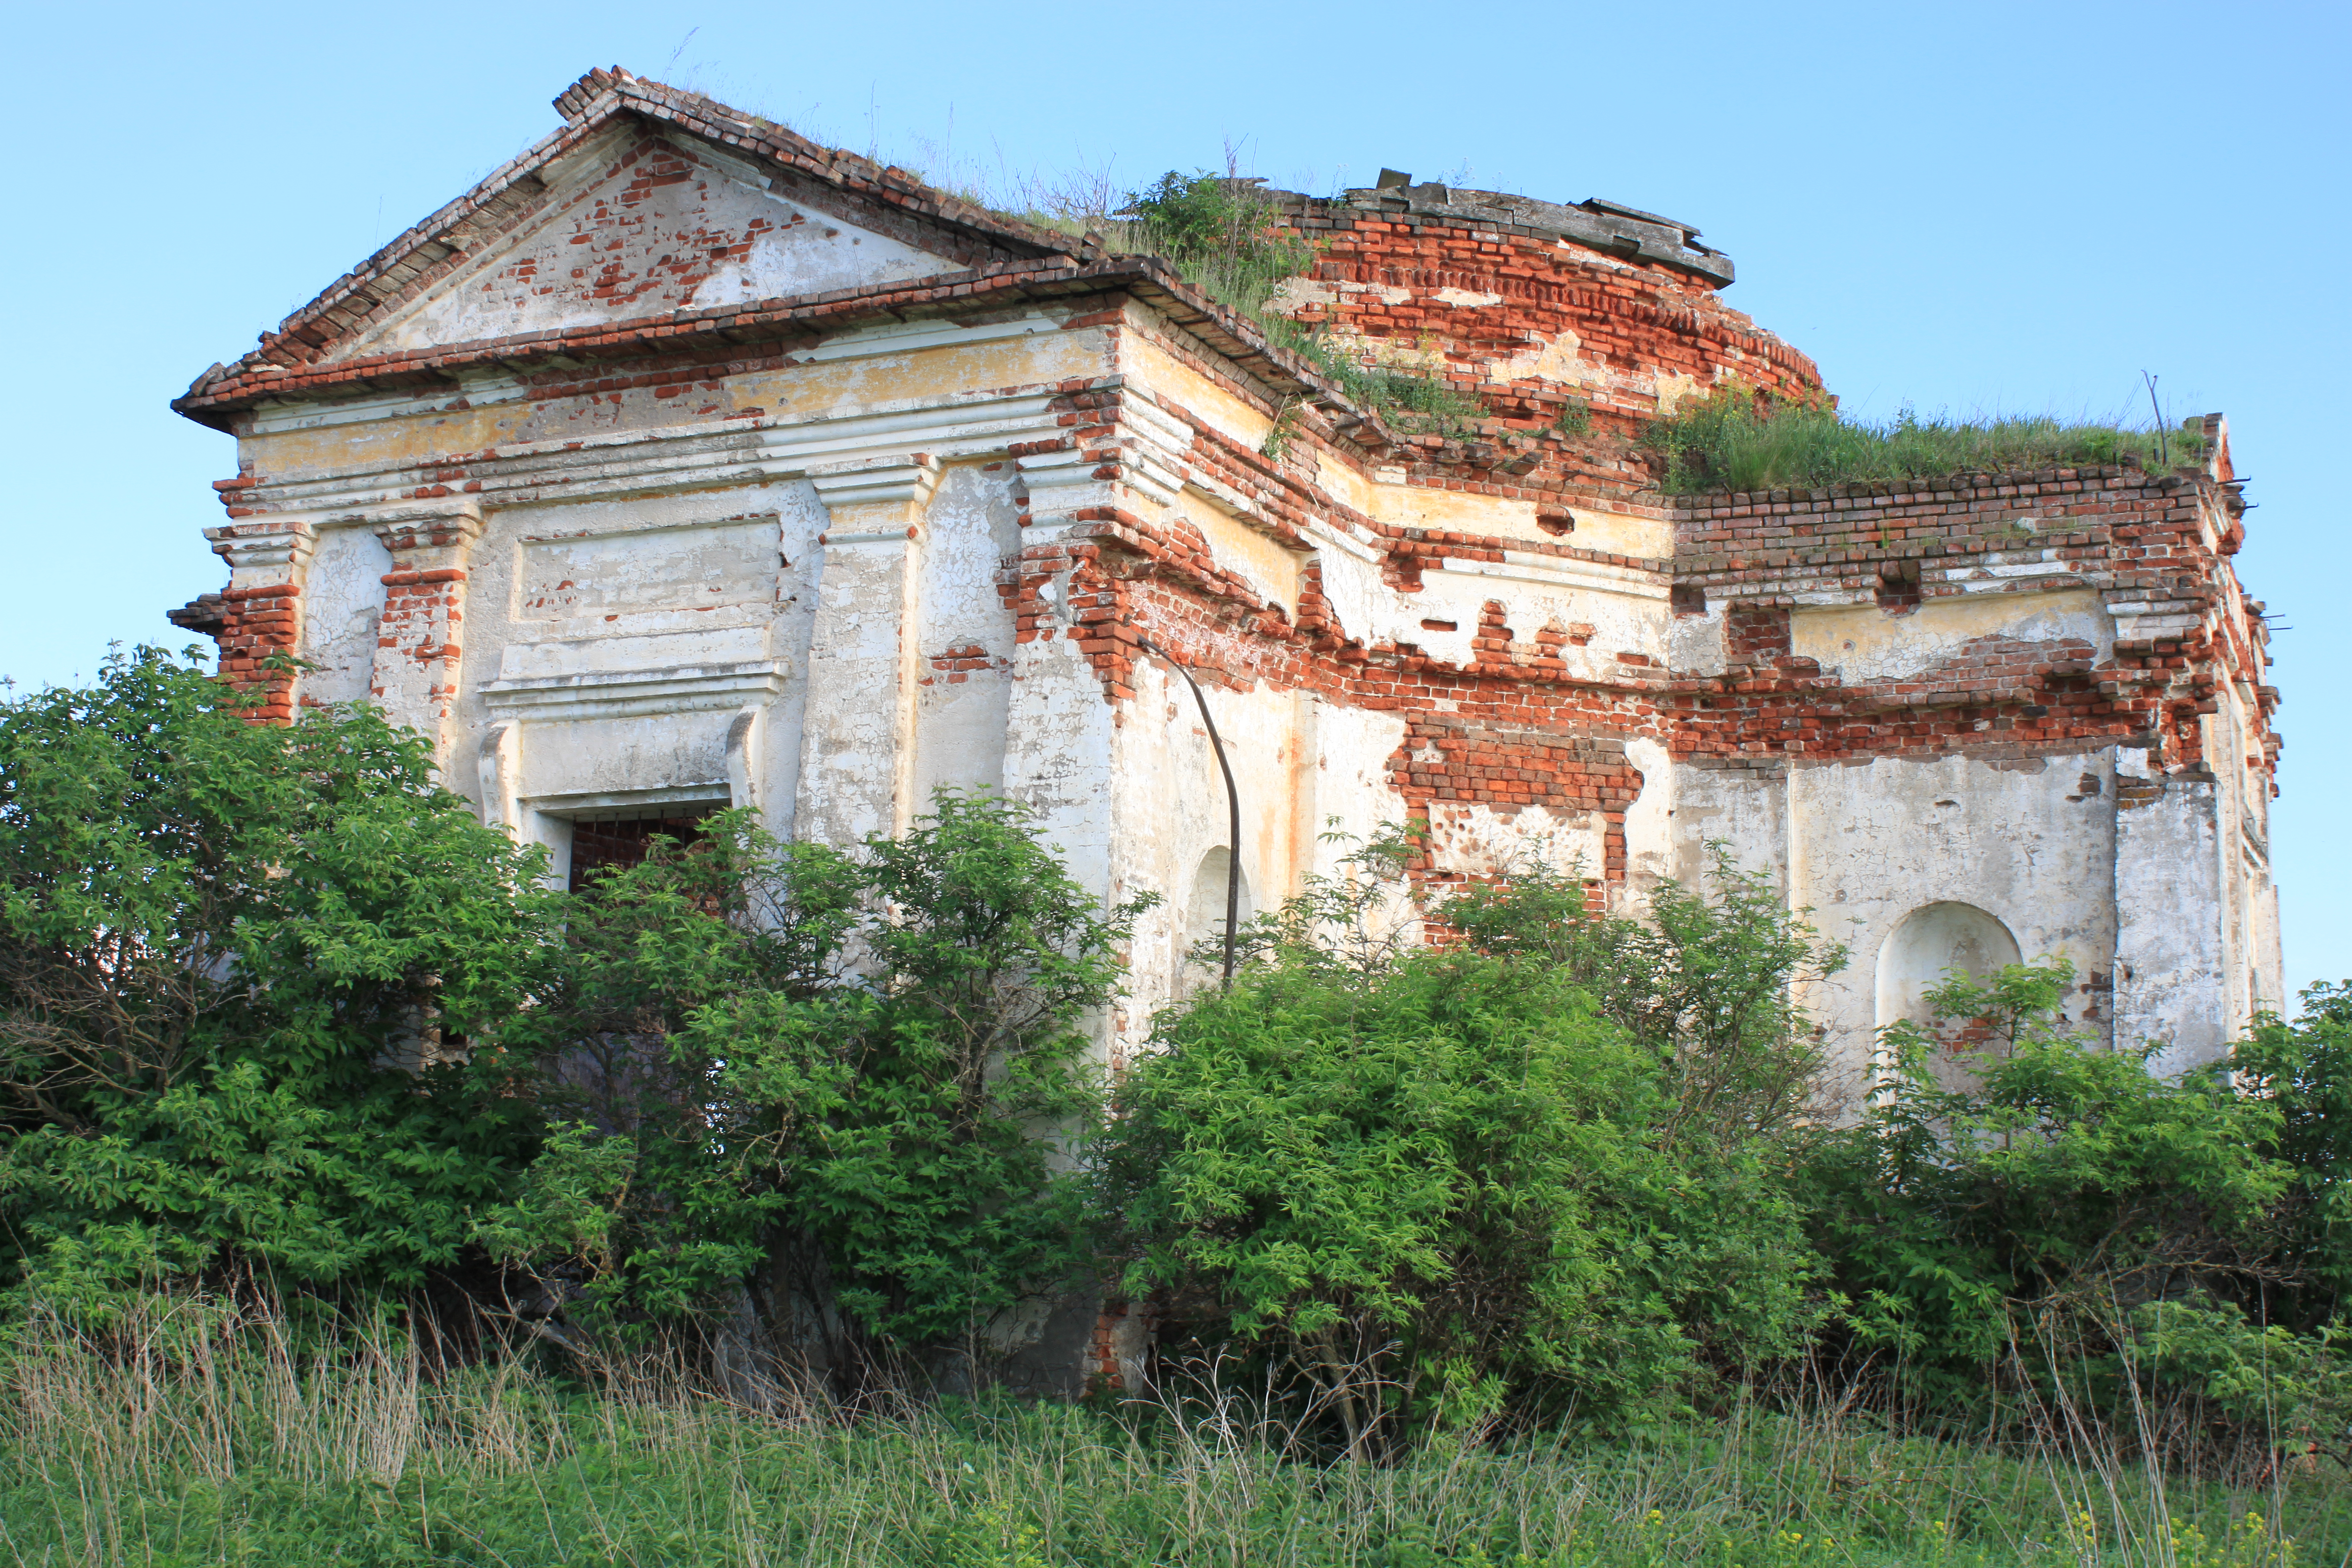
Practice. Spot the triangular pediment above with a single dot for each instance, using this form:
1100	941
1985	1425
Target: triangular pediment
650	207
638	223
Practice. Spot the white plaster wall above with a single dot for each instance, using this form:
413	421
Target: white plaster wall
1303	768
971	529
341	600
2171	966
684	582
2030	841
1744	809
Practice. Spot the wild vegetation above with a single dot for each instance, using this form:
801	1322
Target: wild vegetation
364	1197
194	1436
1220	233
1737	440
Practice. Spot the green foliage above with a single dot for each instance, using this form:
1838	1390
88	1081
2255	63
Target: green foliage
773	1118
1533	1173
1220	233
2020	1211
1737	440
2303	1071
219	942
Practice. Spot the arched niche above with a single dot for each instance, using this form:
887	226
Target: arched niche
1205	910
1927	944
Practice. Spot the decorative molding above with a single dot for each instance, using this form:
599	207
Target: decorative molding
901	481
498	767
453	524
621	804
743	738
621	694
1554	572
951	429
278	544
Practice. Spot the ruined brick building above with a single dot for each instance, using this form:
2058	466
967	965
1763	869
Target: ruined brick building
683	461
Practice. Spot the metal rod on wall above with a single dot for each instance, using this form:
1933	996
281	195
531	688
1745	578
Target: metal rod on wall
1233	807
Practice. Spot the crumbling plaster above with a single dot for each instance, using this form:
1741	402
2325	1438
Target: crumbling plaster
826	572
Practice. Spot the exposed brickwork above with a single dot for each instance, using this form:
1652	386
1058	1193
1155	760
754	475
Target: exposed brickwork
1530	320
1486	301
255	626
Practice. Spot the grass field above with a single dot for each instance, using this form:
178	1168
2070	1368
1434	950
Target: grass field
198	1445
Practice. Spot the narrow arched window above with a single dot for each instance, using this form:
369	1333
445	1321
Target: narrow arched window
1204	910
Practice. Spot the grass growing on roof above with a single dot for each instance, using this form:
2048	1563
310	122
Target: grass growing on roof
1219	234
1735	439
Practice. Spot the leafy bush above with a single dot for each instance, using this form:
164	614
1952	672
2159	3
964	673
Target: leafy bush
2303	1071
2023	1214
1739	439
827	1080
1539	1172
220	945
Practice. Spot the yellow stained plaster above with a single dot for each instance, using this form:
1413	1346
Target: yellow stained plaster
830	386
1861	643
1241	550
1152	368
1494	517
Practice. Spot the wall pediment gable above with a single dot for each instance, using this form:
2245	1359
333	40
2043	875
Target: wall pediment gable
639	221
647	202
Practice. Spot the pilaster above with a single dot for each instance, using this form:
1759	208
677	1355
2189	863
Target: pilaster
262	607
418	656
2172	959
856	772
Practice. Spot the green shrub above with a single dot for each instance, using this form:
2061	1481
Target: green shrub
2303	1071
1537	1173
824	1079
2024	1215
220	941
1737	440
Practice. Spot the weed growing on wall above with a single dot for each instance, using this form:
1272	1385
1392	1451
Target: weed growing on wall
1737	440
1220	232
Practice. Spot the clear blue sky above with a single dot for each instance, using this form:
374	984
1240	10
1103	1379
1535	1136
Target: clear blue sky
1989	206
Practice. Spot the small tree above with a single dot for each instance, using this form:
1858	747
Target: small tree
220	943
1540	1171
2061	1226
832	1080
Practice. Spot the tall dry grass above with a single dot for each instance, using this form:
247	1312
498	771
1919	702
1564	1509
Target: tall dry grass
192	1431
